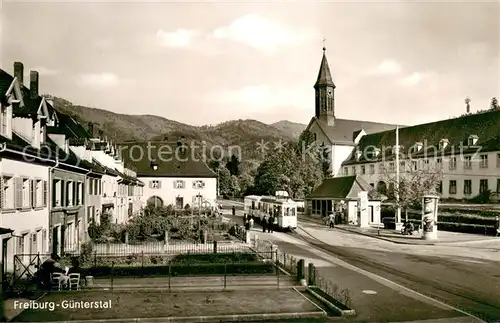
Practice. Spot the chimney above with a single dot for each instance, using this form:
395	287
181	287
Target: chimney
90	126
19	72
467	105
33	85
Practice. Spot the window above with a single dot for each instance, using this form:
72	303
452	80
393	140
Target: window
439	162
372	185
69	195
57	193
314	137
453	163
38	192
79	193
7	198
467	187
20	244
154	184
402	165
498	185
199	184
96	187
44	240
4	121
33	243
354	170
381	167
179	184
363	170
439	187
484	161
391	167
467	162
453	187
90	184
414	165
372	169
346	171
426	162
498	160
483	185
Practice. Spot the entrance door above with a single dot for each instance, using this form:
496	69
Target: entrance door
370	214
55	240
179	202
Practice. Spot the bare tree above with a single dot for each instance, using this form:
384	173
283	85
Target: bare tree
413	185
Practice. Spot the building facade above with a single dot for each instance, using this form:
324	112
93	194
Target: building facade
465	151
179	180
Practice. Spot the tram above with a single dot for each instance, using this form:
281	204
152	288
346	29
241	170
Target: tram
280	206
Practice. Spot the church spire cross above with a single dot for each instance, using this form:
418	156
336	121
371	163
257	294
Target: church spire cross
324	44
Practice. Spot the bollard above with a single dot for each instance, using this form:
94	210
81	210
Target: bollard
300	269
126	238
310	275
112	273
215	246
225	275
166	237
169	275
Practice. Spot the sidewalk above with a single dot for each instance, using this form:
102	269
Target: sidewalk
444	237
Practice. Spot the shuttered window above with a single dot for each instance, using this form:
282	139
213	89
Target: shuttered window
73	197
18	187
45	193
62	198
32	191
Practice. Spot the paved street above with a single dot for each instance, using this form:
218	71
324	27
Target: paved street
466	277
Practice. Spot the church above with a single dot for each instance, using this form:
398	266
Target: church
341	135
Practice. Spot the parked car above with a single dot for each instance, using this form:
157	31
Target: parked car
389	223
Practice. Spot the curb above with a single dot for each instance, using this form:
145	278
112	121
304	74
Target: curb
388	239
218	318
332	306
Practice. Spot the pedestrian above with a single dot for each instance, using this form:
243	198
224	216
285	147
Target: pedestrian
234	210
251	223
245	218
264	223
331	220
271	224
497	227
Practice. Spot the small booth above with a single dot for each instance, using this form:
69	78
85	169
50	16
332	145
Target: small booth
357	201
429	217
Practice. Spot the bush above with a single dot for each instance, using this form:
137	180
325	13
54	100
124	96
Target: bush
182	270
466	228
237	257
482	198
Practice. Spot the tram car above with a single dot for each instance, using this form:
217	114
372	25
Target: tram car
280	206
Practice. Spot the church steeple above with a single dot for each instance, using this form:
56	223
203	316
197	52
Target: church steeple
325	98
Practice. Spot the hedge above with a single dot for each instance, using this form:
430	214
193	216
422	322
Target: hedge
466	228
452	217
182	270
236	257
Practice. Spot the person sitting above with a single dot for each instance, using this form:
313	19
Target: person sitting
49	267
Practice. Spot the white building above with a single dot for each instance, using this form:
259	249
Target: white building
172	174
24	186
465	150
339	136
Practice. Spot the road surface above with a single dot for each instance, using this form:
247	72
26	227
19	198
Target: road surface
466	277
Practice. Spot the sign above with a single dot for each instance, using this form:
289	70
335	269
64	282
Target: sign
363	200
205	204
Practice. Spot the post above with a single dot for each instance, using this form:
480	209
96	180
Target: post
398	210
112	273
166	237
169	274
300	270
95	258
126	237
310	275
225	275
215	246
278	273
429	217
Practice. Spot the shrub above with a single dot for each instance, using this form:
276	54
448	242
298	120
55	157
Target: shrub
86	252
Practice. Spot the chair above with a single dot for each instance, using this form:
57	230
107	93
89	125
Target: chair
56	280
74	280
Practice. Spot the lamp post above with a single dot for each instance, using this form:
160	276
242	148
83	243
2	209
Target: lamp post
199	213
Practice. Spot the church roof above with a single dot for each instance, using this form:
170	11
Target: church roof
485	126
324	75
342	132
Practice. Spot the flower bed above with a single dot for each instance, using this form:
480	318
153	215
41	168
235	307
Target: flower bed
333	304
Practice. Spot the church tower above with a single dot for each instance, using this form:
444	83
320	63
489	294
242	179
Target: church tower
325	97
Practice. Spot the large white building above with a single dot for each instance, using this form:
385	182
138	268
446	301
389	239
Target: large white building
464	150
340	136
172	174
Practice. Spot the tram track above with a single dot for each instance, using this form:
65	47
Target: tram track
448	293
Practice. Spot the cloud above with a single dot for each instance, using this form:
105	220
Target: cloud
387	66
262	34
178	39
413	79
99	79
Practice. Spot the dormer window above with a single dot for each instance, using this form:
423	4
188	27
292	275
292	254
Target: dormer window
472	140
154	165
418	146
358	154
443	143
394	149
376	152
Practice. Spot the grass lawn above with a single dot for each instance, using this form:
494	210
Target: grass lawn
144	304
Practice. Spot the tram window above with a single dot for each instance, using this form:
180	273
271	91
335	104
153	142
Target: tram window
287	211
293	211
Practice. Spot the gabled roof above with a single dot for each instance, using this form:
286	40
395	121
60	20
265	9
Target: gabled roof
106	169
485	125
343	130
186	164
342	188
69	127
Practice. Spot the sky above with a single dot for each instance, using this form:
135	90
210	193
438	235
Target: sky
208	62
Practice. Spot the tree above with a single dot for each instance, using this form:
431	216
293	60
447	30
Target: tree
224	181
494	103
246	182
413	185
233	165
